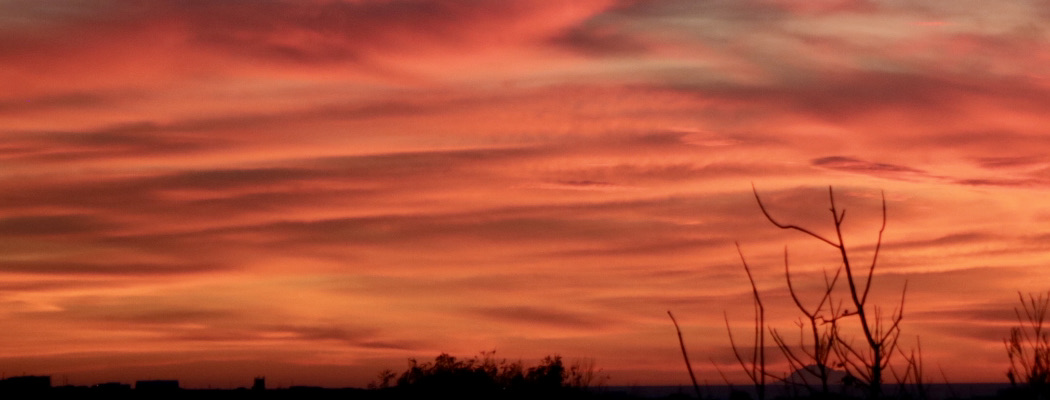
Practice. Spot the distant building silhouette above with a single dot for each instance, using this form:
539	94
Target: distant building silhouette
28	383
260	383
157	386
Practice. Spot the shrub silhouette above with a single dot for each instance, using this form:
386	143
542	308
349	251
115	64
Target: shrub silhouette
487	377
1029	346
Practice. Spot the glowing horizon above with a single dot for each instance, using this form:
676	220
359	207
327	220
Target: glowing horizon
318	190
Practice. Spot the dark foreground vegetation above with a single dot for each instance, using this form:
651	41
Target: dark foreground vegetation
1000	391
485	377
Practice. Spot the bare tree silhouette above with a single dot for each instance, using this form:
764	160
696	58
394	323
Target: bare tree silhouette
866	365
869	363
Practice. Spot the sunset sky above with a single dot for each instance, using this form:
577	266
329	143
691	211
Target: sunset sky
316	190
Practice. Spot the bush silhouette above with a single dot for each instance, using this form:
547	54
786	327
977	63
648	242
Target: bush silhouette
487	377
1029	347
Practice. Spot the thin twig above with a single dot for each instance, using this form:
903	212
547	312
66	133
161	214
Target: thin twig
685	355
758	354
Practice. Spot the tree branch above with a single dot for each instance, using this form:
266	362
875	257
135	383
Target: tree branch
685	355
783	226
